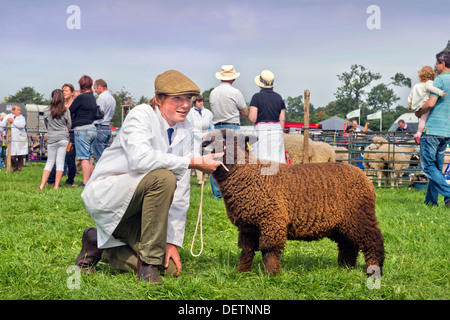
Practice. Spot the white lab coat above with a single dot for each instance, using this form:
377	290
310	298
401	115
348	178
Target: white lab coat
19	138
200	125
141	146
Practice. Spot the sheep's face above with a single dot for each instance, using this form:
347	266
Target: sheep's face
377	142
236	146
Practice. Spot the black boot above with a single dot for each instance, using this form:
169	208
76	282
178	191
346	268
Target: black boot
90	254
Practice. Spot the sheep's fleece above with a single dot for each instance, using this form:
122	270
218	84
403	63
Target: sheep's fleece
271	203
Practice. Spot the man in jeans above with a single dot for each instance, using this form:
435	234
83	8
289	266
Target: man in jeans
437	134
108	105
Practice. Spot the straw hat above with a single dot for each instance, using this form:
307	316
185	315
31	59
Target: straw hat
228	73
173	83
265	79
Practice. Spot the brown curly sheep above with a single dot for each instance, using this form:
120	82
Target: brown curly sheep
272	203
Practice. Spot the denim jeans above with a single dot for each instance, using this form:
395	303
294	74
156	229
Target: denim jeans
432	152
102	141
84	142
214	186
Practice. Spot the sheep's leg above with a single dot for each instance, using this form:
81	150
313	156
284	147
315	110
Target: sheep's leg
271	245
379	176
248	242
394	182
348	251
272	262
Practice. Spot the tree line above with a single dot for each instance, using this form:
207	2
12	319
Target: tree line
358	90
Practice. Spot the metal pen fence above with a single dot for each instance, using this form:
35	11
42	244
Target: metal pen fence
389	159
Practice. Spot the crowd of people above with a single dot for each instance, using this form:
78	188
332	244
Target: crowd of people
73	132
138	194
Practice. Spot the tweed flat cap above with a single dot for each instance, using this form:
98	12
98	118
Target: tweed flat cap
173	83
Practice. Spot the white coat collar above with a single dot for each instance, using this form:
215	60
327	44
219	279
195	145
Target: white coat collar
179	130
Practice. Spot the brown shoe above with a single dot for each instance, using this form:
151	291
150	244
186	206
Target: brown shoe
147	272
90	254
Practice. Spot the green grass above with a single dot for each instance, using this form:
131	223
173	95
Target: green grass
41	236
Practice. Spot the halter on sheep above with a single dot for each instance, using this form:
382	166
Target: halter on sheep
268	211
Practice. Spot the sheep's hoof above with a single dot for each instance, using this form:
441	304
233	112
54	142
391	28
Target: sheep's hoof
272	264
244	268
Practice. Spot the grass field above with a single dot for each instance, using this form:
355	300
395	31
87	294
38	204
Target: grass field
40	236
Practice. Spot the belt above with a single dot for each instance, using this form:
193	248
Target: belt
267	123
101	125
225	124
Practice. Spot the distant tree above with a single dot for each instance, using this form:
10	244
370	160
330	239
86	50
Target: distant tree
294	109
400	80
143	99
205	95
353	85
122	97
381	98
27	95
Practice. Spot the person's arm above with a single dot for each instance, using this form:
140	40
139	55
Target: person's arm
253	114
206	163
430	87
427	106
243	112
410	98
75	105
241	104
431	102
172	253
282	118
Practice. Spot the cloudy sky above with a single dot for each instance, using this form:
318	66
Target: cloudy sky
128	43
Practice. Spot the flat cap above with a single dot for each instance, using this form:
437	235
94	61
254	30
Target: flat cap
174	83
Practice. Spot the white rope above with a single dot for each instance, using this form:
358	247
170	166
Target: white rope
200	219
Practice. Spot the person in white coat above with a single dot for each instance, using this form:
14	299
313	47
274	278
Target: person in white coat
138	194
201	121
19	138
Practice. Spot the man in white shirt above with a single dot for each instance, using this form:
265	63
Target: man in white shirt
108	105
227	105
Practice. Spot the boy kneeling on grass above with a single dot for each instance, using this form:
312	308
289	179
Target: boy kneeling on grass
138	194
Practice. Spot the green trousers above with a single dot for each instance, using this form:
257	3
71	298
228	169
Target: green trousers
144	225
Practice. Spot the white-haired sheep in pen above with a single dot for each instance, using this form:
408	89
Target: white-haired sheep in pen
319	152
394	160
370	153
341	154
